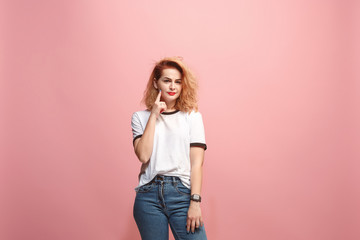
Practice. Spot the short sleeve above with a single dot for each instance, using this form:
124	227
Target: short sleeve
197	131
137	129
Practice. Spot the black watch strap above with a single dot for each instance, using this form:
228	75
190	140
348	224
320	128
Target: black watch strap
196	197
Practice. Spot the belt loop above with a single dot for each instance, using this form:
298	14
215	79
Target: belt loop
174	182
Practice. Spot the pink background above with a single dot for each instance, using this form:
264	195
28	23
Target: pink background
279	94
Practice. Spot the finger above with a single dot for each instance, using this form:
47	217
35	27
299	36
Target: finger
197	223
193	226
158	97
188	224
201	222
163	106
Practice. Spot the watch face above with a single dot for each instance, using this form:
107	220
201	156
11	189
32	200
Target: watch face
195	197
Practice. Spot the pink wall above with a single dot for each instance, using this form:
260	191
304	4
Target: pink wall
279	93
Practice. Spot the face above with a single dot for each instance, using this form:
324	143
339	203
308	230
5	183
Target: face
170	84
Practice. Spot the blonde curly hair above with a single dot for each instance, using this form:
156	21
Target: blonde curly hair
187	101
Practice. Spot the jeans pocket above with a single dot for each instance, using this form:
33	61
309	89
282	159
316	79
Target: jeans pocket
145	188
180	188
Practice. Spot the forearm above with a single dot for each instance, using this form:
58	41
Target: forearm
196	182
196	179
194	213
145	145
196	173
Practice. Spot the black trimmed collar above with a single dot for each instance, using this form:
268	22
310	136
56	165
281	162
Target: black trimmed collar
168	113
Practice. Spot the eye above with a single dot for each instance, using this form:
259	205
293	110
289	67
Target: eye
179	82
166	80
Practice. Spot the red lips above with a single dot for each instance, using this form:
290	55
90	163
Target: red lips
171	93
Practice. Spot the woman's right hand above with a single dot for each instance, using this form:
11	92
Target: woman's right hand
158	106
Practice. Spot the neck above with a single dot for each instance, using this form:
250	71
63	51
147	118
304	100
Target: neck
170	106
170	109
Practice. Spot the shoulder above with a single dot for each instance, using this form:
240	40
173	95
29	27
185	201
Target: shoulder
141	114
194	114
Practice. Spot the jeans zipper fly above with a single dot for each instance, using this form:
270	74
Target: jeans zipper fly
162	194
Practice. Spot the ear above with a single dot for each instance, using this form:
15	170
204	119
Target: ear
154	83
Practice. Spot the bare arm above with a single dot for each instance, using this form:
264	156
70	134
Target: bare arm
194	213
197	159
143	146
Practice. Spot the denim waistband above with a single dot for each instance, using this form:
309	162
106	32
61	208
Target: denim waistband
162	178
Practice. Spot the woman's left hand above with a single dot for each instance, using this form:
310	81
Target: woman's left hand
194	219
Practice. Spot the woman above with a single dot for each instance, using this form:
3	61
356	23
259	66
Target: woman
169	141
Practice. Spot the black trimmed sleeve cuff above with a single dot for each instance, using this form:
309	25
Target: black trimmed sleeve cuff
136	138
203	145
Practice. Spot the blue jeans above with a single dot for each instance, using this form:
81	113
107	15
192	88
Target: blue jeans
163	201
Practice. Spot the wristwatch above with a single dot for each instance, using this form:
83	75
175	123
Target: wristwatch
195	197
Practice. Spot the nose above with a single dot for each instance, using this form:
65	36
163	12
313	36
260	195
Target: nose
172	85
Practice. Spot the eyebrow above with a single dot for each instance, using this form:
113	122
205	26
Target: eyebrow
170	78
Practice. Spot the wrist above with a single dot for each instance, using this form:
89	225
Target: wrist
195	198
194	204
154	115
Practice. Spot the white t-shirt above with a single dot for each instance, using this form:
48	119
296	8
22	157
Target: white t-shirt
175	133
